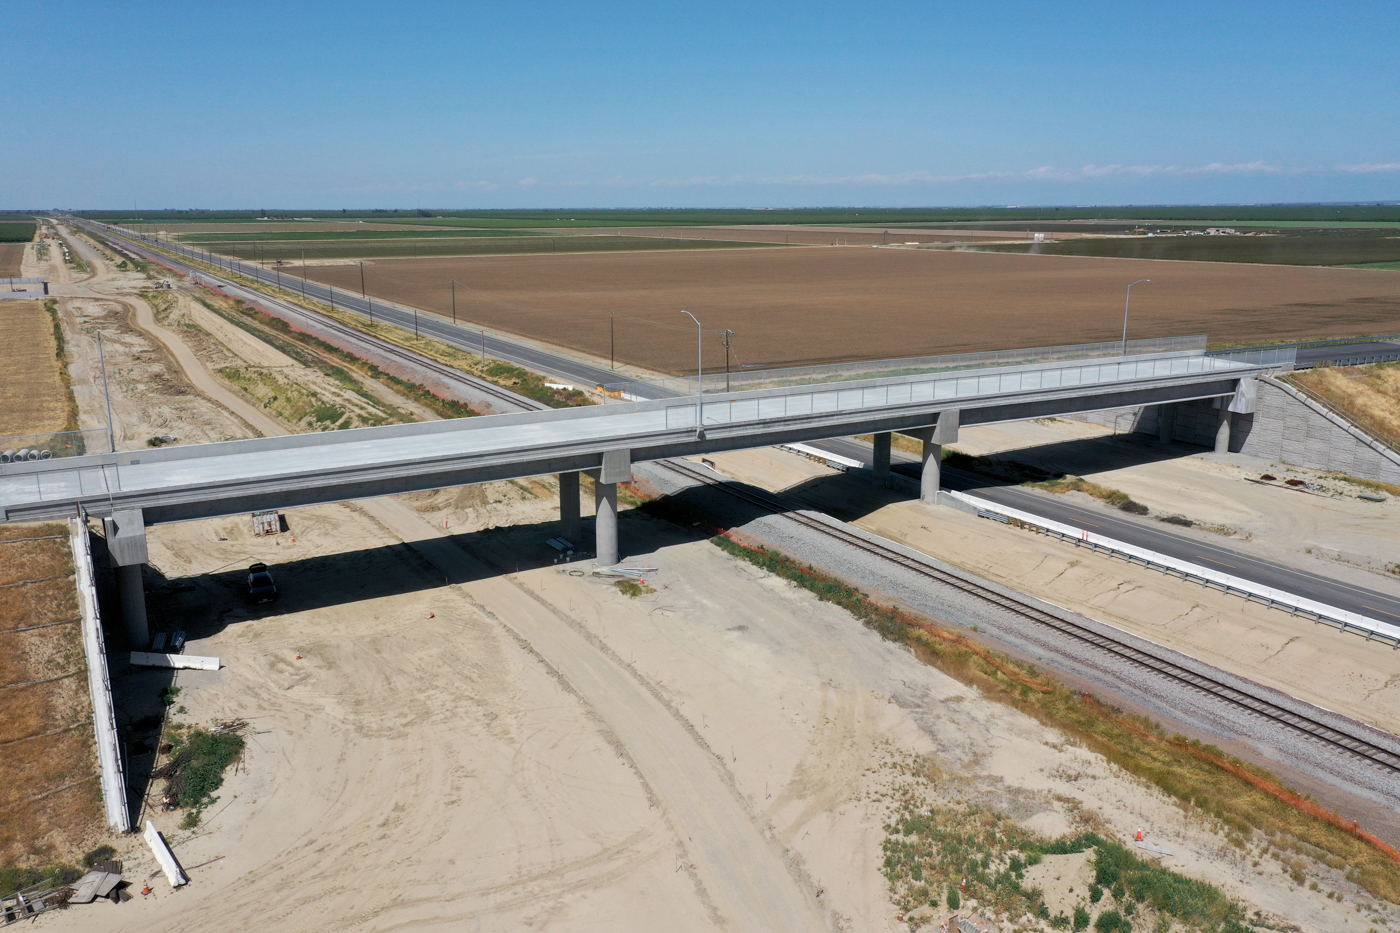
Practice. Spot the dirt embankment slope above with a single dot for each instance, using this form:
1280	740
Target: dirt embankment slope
50	797
790	306
1370	395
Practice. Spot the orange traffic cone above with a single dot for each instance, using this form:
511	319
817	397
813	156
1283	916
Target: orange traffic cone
1139	834
432	615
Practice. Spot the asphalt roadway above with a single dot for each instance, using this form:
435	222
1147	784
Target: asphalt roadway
1144	533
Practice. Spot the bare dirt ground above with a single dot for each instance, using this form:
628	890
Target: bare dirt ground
441	741
452	732
12	258
807	305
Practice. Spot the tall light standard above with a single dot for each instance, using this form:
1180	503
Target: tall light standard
102	359
700	376
1125	313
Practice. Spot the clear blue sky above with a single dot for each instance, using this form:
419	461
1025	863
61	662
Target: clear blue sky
399	104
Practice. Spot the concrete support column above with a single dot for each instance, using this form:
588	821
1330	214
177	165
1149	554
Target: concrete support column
133	598
932	472
1166	423
605	494
881	461
126	545
616	468
1222	427
569	506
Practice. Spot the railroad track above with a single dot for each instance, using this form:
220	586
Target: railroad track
1372	754
380	345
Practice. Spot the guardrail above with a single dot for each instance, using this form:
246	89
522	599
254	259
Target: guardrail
746	380
1252	592
798	400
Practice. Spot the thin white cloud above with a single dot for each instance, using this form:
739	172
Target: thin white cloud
1365	167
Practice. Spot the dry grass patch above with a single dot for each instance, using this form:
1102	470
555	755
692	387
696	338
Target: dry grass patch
35	560
1370	395
51	600
33	397
11	256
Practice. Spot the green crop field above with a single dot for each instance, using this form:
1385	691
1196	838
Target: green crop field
461	246
1279	250
16	231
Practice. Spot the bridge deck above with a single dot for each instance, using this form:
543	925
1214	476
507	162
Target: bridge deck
222	478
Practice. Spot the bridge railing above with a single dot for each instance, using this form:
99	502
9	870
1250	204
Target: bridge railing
798	400
1282	357
745	380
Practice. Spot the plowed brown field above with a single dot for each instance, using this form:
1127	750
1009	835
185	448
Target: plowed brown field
11	255
790	306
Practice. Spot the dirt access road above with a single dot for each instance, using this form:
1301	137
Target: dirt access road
794	306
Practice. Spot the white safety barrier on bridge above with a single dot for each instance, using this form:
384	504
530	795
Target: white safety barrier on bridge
1274	598
188	662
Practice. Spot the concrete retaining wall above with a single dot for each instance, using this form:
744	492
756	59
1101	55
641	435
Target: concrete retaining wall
104	718
1286	427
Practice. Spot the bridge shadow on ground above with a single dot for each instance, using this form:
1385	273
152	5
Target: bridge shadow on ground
1097	454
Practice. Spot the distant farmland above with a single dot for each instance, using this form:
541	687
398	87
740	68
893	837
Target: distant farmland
1300	250
454	245
812	304
12	231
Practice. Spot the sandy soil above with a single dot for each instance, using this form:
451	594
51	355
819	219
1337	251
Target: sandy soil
803	305
1315	663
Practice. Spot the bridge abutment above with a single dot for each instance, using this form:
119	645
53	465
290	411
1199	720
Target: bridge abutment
126	544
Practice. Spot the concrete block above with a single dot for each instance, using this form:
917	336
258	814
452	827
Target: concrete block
126	537
617	467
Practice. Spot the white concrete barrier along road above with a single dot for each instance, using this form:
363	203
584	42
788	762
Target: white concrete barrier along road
1269	595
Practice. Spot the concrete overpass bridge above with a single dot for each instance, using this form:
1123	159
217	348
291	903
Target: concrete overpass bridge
928	398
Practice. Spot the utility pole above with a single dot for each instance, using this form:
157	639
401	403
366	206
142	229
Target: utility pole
726	334
111	433
415	322
612	342
303	275
483	346
454	301
362	282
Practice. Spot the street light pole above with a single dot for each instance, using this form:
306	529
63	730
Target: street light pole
1125	314
111	433
700	376
612	343
454	301
726	334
